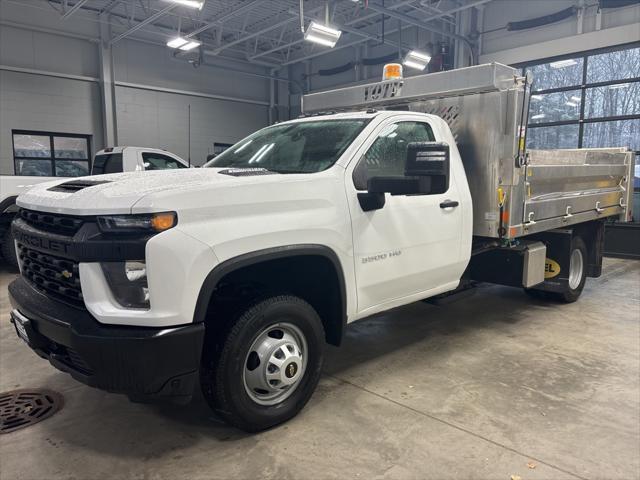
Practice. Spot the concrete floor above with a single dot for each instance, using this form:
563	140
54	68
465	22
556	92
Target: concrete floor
475	389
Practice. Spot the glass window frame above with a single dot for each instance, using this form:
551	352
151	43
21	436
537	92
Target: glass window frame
146	155
52	159
583	87
356	175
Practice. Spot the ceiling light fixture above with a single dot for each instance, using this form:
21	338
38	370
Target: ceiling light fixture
571	104
417	60
189	3
190	45
322	34
184	44
563	63
177	42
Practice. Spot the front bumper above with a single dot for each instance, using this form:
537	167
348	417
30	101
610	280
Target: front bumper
141	362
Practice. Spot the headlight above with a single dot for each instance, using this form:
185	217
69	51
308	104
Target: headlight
148	222
128	283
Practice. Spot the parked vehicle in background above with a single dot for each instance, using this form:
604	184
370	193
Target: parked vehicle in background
133	159
108	160
234	275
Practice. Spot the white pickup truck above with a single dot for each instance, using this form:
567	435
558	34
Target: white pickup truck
109	160
233	276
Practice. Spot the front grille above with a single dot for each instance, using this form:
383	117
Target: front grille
54	276
52	222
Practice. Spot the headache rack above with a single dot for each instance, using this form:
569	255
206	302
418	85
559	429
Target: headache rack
515	191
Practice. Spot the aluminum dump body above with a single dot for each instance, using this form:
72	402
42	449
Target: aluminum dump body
515	192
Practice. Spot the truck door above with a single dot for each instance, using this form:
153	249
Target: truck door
410	246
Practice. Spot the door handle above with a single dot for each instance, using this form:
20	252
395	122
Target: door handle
449	204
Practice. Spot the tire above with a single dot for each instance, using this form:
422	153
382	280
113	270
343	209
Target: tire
576	281
577	272
244	356
8	250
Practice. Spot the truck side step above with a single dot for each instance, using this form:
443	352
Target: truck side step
464	290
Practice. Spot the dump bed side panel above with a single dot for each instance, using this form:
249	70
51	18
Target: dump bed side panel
514	192
565	187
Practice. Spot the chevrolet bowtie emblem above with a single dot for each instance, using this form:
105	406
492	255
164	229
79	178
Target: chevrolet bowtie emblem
67	274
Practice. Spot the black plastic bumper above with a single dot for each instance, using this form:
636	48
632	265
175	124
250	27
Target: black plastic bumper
138	361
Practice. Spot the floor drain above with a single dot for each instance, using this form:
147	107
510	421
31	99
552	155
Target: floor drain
21	408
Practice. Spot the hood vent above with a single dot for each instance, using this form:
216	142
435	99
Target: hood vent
246	172
75	185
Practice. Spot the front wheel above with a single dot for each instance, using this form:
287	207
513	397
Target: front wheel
267	366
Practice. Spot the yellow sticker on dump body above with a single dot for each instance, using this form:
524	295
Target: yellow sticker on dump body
551	268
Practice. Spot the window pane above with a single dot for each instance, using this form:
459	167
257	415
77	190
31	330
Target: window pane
70	147
562	73
614	65
388	154
621	133
108	163
155	161
553	107
564	136
613	100
31	145
39	168
71	168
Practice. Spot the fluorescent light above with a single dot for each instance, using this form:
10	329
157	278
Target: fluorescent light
538	117
322	34
185	44
576	99
563	63
417	60
571	104
189	3
177	42
191	45
537	98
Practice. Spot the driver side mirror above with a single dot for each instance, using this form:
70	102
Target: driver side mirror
426	172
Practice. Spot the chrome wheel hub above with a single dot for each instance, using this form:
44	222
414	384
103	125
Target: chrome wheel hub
576	265
275	364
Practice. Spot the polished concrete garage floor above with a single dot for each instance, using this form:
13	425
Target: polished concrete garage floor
479	388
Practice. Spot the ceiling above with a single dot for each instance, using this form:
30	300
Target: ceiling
265	32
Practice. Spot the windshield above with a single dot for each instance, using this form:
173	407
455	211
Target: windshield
303	147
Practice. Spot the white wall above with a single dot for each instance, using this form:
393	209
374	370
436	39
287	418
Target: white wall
617	26
151	97
161	119
34	102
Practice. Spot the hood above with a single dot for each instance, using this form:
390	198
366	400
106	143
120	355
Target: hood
119	192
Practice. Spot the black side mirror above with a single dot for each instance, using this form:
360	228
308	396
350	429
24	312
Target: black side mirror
429	160
426	172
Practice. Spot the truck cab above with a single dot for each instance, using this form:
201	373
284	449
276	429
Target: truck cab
133	159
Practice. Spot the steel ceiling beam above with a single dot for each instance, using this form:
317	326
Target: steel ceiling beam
73	9
238	11
258	33
418	23
110	6
340	47
459	9
345	28
346	25
144	22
